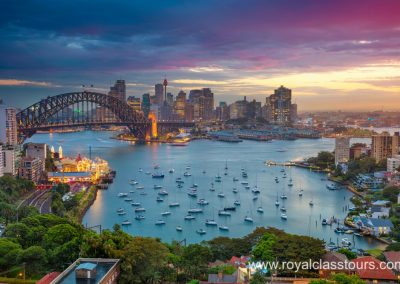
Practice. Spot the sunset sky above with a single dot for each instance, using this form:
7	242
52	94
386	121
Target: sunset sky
334	55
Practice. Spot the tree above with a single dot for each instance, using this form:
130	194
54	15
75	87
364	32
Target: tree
390	193
142	261
350	255
7	246
59	235
195	260
264	251
36	257
224	248
17	231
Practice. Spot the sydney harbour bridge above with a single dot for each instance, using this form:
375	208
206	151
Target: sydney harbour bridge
86	109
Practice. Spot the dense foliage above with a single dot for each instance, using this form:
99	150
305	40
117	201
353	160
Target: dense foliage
324	160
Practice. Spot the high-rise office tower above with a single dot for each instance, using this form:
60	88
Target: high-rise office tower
180	104
280	103
134	103
203	103
118	90
170	99
146	104
159	93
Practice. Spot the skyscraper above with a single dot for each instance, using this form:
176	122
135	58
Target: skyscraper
118	90
280	103
180	104
8	125
146	104
134	103
159	94
203	103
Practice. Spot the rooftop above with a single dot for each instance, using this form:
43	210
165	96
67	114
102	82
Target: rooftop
102	265
363	265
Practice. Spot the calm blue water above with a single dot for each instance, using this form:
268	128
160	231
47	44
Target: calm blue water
210	156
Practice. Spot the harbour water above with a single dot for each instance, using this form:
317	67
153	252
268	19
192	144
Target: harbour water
204	160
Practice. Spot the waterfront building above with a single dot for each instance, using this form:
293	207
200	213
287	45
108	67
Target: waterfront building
393	164
31	169
280	103
180	105
342	150
146	104
159	94
8	125
134	103
238	109
79	169
203	103
385	146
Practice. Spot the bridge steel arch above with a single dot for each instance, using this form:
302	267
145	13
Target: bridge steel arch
33	117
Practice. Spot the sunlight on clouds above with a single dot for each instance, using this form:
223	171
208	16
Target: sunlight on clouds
198	81
206	69
345	80
15	82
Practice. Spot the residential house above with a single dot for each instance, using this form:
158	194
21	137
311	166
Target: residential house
221	278
332	263
393	257
378	274
375	226
380	209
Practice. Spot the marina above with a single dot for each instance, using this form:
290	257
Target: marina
202	162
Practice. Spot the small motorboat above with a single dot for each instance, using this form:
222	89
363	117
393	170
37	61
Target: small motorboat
159	199
160	222
260	210
234	190
135	203
122	194
179	228
163	192
324	222
223	228
283	209
235	179
158	186
166	213
237	202
121	210
221	195
121	213
187	174
283	196
346	242
174	204
140	209
126	223
171	171
311	203
128	199
140	187
276	203
139	217
283	216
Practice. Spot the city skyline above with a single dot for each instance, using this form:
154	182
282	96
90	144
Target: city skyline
334	56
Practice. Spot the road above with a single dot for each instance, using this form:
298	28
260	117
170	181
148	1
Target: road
41	199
